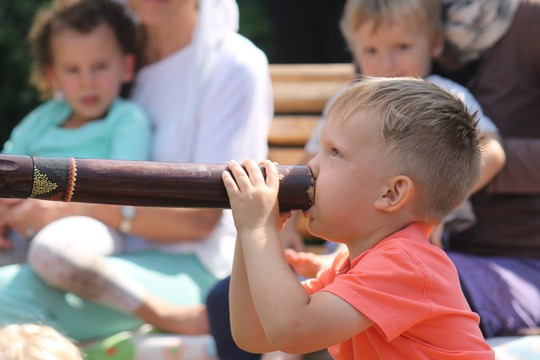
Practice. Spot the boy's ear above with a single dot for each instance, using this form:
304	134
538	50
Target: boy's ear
129	67
396	195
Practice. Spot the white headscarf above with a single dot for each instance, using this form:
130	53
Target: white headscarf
217	19
176	117
473	26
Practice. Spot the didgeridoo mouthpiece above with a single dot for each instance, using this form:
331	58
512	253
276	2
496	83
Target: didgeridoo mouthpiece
138	183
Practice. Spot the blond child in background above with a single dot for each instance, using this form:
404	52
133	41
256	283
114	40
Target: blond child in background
401	38
397	154
35	342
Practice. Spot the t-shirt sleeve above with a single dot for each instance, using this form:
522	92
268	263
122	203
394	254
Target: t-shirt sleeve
131	132
32	125
391	290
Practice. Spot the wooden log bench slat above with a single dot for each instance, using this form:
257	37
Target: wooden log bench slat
305	88
292	130
310	72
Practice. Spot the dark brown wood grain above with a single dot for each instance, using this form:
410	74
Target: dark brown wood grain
140	183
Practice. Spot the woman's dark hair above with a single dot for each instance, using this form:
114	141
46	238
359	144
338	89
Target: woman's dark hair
82	16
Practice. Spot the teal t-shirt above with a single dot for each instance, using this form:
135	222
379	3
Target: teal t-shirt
124	134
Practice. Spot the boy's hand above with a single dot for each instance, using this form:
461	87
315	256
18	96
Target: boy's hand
307	264
253	198
5	207
5	243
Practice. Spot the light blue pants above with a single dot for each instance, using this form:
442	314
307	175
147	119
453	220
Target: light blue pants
24	298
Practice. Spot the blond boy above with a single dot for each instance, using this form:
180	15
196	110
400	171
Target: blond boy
397	154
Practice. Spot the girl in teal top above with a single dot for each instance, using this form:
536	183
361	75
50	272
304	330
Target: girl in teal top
124	133
83	55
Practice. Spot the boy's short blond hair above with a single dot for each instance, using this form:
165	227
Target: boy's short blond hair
426	134
419	14
35	342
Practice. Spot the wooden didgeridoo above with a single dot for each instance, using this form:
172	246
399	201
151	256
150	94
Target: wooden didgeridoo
138	183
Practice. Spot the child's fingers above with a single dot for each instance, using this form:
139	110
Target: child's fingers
239	175
272	175
230	184
254	172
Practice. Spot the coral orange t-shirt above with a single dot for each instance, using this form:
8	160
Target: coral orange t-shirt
410	290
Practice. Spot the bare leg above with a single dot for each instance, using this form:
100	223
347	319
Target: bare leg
70	254
191	320
17	253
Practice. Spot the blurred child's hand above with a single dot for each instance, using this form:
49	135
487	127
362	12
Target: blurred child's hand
5	243
253	198
9	202
283	217
290	236
5	206
307	264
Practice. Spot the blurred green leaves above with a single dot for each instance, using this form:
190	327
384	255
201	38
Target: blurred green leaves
17	97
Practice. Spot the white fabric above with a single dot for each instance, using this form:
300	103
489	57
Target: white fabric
210	102
473	26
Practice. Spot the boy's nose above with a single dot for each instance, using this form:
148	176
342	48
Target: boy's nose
313	165
388	65
87	77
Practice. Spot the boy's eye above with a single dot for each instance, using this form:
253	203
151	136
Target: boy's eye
71	70
369	51
404	46
335	152
100	66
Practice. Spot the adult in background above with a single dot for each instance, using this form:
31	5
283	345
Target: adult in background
207	90
494	52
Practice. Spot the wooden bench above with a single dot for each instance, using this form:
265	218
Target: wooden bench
300	93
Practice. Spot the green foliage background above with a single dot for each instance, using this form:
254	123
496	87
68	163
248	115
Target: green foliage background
17	97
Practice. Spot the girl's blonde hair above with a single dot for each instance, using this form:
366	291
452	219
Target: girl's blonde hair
35	342
426	134
419	14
